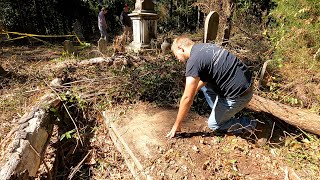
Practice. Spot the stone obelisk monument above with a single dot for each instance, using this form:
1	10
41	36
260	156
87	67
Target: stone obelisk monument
144	23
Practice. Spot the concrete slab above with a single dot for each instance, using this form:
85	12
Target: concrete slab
139	134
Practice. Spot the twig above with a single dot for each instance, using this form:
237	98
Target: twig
44	163
75	169
25	92
309	137
88	80
74	123
271	131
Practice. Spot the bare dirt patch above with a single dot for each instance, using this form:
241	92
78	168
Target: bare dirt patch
197	152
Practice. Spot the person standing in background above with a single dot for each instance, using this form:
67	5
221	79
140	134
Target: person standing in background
126	23
102	24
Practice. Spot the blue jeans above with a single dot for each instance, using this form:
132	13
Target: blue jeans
223	110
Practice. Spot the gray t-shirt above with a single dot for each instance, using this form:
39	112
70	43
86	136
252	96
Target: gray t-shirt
222	71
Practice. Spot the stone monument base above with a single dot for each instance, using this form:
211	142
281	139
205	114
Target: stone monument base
137	47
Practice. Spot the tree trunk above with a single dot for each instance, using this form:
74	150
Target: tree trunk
227	29
294	116
30	140
171	8
198	18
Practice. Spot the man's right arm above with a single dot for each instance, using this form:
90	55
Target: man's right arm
185	104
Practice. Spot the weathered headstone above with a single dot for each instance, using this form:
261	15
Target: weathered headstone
211	27
77	29
102	45
68	47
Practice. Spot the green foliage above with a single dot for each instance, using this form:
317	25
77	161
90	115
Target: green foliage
47	17
178	16
295	37
160	82
73	98
67	135
295	31
255	7
302	153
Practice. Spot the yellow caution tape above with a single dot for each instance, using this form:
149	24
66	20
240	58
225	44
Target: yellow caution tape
21	37
36	35
24	35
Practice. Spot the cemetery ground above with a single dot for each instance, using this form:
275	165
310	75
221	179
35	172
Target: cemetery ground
133	85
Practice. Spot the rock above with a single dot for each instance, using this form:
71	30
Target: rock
165	46
127	62
195	148
57	82
205	165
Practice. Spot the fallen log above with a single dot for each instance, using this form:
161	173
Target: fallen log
97	60
297	117
116	61
25	152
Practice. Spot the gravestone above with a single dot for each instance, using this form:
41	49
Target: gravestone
211	27
102	45
144	23
68	47
77	29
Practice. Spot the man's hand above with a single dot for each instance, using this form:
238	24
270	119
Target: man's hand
173	131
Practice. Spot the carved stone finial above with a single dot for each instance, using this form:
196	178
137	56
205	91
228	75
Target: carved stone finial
144	5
